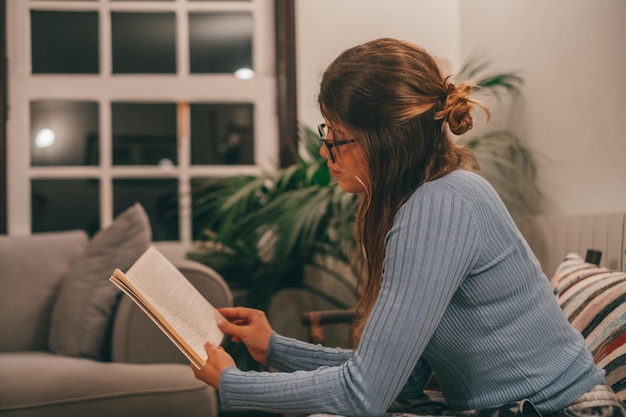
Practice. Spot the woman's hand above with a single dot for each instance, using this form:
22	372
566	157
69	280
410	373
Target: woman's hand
250	327
216	362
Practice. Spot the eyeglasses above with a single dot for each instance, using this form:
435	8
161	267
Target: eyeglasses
323	131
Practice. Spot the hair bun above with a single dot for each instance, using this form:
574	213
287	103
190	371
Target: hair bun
456	108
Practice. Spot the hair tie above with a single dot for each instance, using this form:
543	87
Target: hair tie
449	90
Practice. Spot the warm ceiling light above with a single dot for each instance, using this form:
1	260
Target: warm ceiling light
45	138
244	74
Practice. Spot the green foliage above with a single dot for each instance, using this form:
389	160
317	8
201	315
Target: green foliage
474	69
260	231
509	167
502	157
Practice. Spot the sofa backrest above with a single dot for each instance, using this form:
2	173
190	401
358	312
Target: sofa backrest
31	269
551	237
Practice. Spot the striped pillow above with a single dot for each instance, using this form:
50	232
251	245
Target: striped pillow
593	299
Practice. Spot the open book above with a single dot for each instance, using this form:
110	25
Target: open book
172	302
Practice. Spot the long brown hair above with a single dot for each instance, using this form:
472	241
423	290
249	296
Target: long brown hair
393	97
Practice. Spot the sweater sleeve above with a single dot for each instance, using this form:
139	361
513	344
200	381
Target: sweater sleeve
291	355
428	252
417	381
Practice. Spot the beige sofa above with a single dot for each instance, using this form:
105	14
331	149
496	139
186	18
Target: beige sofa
71	346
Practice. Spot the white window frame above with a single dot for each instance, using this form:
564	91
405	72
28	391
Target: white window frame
105	88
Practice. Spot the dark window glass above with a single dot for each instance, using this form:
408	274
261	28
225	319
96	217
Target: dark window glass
220	42
144	43
64	42
64	132
198	217
159	197
144	133
222	134
65	204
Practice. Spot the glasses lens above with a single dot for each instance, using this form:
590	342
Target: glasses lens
323	131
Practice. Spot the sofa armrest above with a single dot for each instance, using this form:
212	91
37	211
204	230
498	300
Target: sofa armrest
136	339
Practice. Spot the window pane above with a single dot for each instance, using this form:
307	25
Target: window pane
64	132
144	133
64	42
220	42
159	197
222	134
65	204
144	43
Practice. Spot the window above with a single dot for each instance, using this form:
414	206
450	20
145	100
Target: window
117	101
3	117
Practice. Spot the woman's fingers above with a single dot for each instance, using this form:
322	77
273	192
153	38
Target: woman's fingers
232	329
217	361
238	314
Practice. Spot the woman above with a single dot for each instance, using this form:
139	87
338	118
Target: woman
450	285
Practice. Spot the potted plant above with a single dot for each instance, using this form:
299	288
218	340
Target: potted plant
502	157
260	231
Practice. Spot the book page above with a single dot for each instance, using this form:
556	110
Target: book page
170	295
119	279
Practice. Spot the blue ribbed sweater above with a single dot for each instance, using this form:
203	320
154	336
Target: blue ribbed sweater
463	295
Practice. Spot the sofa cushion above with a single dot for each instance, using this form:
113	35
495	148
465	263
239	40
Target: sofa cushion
31	269
593	299
41	383
82	315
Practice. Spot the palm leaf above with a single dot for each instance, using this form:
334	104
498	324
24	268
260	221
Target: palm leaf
474	71
510	168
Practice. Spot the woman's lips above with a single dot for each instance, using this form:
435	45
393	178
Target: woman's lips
333	172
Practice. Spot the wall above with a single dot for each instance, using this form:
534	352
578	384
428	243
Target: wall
569	52
325	28
573	60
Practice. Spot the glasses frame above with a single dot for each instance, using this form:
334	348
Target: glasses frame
331	144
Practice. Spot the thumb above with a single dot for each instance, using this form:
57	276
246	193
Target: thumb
208	347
